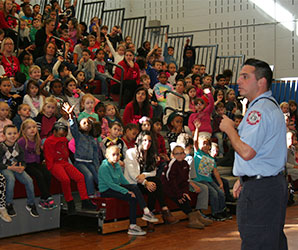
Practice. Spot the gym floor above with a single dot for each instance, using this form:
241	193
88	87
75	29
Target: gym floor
81	233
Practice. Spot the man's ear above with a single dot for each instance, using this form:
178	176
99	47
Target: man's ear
262	83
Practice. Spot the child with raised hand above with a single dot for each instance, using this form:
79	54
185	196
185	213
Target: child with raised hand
112	183
87	104
100	110
12	166
131	131
73	94
114	139
86	153
189	56
205	165
31	144
47	117
175	180
4	115
22	115
3	212
56	155
203	114
112	114
119	54
33	98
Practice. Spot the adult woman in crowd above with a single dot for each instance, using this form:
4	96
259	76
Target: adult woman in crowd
8	23
131	77
140	169
48	60
10	63
138	107
43	36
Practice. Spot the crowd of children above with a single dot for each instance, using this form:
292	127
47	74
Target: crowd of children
164	144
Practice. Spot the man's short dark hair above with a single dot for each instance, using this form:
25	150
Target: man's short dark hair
262	69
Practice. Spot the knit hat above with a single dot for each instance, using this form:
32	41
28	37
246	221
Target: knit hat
59	125
171	118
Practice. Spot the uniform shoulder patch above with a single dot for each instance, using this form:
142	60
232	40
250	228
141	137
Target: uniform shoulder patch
254	117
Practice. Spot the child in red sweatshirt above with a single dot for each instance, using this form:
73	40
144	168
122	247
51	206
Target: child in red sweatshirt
56	155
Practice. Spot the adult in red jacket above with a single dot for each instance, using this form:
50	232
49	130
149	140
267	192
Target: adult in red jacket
131	77
10	63
6	22
138	107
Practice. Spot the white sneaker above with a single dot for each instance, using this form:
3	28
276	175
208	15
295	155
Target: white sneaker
4	215
136	230
149	217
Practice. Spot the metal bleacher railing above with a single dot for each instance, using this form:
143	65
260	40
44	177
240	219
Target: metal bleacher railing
135	27
89	9
113	17
206	54
233	63
285	89
155	34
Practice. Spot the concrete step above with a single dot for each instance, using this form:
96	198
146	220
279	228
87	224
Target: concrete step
231	180
24	223
225	171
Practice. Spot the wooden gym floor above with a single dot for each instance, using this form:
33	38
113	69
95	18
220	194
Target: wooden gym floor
80	233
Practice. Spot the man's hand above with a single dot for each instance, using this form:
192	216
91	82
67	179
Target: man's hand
237	189
226	124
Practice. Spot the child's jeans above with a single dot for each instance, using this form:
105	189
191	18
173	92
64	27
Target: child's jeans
88	169
202	197
127	197
216	197
24	178
104	84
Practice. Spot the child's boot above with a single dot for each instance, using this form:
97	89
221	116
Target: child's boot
88	205
193	221
168	217
205	221
71	208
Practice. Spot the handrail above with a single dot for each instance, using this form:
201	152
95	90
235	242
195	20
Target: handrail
62	41
18	33
176	94
120	82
